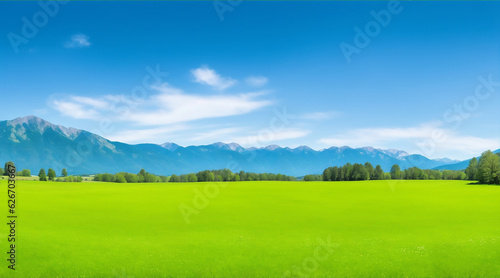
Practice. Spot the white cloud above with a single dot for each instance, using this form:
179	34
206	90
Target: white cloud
172	106
256	81
429	139
168	106
95	103
78	40
75	110
207	76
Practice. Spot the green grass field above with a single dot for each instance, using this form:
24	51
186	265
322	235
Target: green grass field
256	229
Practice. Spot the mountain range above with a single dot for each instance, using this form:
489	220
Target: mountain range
34	143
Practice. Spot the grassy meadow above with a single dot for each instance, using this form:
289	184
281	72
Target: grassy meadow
256	229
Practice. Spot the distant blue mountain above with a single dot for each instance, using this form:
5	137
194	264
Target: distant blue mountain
458	165
34	143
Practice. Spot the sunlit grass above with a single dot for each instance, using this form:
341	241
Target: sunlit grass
256	229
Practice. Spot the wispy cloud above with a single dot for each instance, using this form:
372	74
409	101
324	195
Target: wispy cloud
173	106
78	40
256	81
73	109
429	139
168	106
207	76
95	103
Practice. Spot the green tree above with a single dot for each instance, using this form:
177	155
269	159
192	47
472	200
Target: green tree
341	174
120	178
142	176
174	178
378	174
472	170
347	170
150	178
26	173
192	178
395	172
327	175
42	175
51	174
131	178
313	177
335	173
489	168
359	172
64	173
203	175
370	170
1	171
243	176
6	168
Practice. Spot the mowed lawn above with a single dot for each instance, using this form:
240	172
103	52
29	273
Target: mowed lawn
256	229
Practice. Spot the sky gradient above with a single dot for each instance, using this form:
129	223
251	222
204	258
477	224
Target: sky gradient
425	79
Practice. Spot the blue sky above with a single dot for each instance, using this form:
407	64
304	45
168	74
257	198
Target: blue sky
260	73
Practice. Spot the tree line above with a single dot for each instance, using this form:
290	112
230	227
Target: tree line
42	175
124	177
228	175
23	173
415	173
224	175
486	170
350	172
353	172
50	175
359	172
